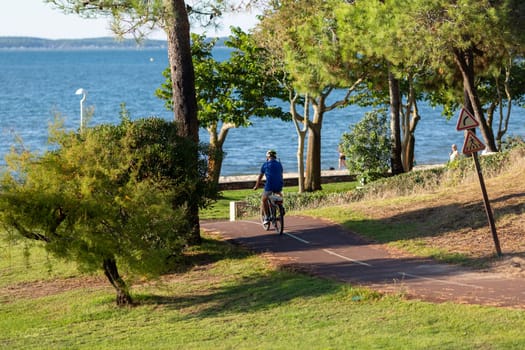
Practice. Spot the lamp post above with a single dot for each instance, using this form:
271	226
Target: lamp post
83	93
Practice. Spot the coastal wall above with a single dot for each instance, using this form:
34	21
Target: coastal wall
290	179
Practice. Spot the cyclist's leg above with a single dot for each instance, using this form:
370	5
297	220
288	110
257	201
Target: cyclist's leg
264	204
280	193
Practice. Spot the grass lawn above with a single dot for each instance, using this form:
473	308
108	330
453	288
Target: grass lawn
228	298
234	300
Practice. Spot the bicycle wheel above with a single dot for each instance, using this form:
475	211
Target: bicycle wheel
279	219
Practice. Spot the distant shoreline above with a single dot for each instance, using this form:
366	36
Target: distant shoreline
104	43
33	43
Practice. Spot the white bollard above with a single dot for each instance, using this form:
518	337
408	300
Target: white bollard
233	211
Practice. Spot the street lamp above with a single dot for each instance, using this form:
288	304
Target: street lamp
83	93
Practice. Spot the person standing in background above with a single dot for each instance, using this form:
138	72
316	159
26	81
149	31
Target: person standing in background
454	154
342	158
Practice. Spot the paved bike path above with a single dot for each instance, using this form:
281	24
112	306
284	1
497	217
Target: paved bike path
327	249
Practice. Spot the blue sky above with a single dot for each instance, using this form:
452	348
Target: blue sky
37	19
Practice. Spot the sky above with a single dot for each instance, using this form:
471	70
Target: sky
37	19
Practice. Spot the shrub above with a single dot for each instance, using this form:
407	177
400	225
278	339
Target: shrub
367	147
113	194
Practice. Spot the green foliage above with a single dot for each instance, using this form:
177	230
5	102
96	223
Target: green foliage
113	192
402	184
229	92
233	90
452	174
294	201
491	164
367	147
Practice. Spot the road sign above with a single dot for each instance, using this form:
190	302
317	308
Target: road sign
466	121
472	143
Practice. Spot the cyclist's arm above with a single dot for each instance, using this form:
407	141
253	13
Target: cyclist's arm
259	178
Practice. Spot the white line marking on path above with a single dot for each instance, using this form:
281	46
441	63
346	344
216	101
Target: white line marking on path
346	258
441	281
247	221
297	238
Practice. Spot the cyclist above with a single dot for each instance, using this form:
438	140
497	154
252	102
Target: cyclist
273	171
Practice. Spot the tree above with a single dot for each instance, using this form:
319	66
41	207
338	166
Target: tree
229	93
276	67
379	31
499	89
469	39
308	38
113	197
437	47
137	17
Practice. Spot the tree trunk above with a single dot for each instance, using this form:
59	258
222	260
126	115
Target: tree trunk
300	160
504	116
410	120
182	73
216	154
465	61
395	127
215	159
177	28
111	272
313	153
301	135
313	159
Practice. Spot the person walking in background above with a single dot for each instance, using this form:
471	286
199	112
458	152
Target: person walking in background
342	158
454	154
272	169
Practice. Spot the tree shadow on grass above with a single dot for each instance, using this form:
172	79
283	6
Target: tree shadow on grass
459	230
208	252
249	294
437	220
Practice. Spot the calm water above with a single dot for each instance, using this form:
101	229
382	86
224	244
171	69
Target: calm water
35	85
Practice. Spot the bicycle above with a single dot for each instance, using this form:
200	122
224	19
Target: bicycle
276	219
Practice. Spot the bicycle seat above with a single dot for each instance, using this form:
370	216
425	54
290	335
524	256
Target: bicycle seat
276	199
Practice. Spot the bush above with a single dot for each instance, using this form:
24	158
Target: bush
367	147
300	201
115	193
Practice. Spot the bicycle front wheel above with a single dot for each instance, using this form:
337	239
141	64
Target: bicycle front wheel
279	219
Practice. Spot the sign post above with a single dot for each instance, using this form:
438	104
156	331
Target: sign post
488	209
472	145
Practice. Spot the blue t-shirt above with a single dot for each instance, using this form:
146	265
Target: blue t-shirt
273	171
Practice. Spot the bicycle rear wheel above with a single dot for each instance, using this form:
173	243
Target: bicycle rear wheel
279	219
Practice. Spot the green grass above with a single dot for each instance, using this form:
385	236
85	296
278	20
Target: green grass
228	298
221	208
236	300
26	261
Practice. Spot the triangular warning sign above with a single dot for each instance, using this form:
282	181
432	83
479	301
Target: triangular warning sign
472	143
466	120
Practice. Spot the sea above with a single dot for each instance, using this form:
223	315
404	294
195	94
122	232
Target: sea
38	85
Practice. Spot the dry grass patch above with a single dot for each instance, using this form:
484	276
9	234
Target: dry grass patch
449	215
